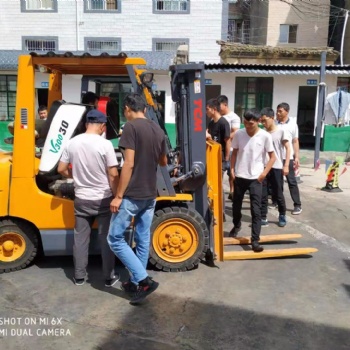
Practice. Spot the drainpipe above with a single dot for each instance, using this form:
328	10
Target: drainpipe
77	25
342	38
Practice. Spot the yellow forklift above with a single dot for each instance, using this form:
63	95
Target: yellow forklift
36	205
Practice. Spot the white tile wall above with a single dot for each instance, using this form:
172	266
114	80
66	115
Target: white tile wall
136	25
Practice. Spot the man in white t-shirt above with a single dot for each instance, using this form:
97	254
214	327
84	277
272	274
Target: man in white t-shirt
235	123
95	175
287	124
250	145
281	145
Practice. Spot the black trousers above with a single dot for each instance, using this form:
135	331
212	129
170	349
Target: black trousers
293	185
255	192
274	179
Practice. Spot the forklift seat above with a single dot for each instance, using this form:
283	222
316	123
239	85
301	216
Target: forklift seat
63	126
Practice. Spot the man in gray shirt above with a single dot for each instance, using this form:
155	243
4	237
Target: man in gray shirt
95	175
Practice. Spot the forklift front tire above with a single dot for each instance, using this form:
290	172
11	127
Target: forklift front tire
180	239
18	245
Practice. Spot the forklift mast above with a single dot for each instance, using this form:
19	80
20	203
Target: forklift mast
188	92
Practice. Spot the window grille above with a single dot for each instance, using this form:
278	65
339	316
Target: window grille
101	45
39	5
170	46
40	45
238	31
106	5
172	5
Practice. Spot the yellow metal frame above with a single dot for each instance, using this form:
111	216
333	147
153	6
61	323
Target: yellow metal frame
21	197
214	182
5	173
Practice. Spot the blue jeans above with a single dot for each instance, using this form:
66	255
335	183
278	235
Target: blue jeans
142	211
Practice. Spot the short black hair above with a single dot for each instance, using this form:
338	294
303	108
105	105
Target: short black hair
42	108
284	105
135	102
89	97
250	114
213	103
222	99
268	111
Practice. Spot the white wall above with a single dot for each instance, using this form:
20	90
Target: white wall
285	87
136	25
312	21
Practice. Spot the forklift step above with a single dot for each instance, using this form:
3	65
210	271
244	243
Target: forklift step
268	253
263	239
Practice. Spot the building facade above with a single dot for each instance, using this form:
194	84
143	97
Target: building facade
153	29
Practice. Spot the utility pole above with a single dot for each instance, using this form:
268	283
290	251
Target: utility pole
320	107
343	37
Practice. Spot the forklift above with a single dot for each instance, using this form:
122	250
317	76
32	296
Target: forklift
36	206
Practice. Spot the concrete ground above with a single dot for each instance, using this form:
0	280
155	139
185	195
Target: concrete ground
291	303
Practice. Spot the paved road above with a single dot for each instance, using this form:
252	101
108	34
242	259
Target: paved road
295	303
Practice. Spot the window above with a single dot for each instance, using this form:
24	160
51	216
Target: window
343	84
169	45
171	6
238	31
102	6
102	44
39	5
288	34
40	43
253	93
8	87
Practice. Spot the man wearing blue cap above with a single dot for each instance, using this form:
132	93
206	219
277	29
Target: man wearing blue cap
95	175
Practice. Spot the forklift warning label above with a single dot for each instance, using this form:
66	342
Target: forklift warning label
32	327
197	87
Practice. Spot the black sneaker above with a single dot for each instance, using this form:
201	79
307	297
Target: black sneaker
234	231
296	211
145	288
78	281
257	248
264	223
128	287
112	281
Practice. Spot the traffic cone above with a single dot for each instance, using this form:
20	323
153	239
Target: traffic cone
332	180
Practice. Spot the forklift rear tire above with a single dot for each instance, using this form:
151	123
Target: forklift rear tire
18	245
180	239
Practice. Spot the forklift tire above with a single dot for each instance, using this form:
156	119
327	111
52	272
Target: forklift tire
180	239
18	245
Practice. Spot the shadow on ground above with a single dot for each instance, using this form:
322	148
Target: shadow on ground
170	319
172	323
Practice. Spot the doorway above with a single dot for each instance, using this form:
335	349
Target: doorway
306	115
43	96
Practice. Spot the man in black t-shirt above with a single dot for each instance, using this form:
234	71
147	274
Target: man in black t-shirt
143	146
219	131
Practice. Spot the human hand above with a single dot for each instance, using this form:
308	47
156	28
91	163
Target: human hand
115	204
261	177
296	162
226	165
285	170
